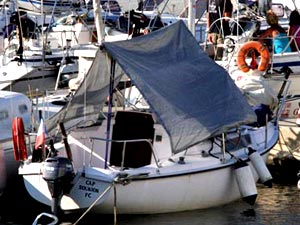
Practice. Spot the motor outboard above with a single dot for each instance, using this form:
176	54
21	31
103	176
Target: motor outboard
58	172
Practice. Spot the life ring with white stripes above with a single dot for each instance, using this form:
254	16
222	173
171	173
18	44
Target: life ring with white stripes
18	136
262	50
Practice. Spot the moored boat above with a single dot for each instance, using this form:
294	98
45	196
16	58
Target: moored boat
27	63
190	149
12	105
244	59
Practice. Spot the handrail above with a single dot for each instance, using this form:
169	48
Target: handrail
128	141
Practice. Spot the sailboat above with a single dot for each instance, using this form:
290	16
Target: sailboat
27	64
197	145
19	111
283	67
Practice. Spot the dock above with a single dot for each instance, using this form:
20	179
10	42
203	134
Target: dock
284	158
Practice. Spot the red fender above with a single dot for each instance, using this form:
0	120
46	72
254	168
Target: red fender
18	136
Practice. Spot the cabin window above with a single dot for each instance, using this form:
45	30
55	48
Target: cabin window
23	108
3	115
135	128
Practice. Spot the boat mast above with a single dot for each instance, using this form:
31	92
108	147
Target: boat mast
42	24
98	21
295	4
192	16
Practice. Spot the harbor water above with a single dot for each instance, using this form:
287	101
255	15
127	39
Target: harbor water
278	205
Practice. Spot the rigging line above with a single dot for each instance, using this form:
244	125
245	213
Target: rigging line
45	40
34	6
90	30
52	18
92	205
109	113
20	49
290	150
221	31
158	14
163	9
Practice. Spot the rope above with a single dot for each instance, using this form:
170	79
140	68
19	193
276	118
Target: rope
55	219
92	205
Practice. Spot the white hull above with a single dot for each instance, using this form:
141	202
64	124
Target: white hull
290	59
201	182
161	195
16	104
291	108
33	74
11	105
30	79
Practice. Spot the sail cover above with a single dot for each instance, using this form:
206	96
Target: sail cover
85	107
191	96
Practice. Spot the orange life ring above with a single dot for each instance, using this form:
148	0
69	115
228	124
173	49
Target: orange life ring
262	50
18	136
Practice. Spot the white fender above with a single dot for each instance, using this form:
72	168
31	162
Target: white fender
245	181
260	167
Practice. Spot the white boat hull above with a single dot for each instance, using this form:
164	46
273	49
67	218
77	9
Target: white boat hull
12	104
289	59
33	74
201	182
197	190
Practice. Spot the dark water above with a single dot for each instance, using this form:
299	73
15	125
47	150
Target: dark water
277	206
